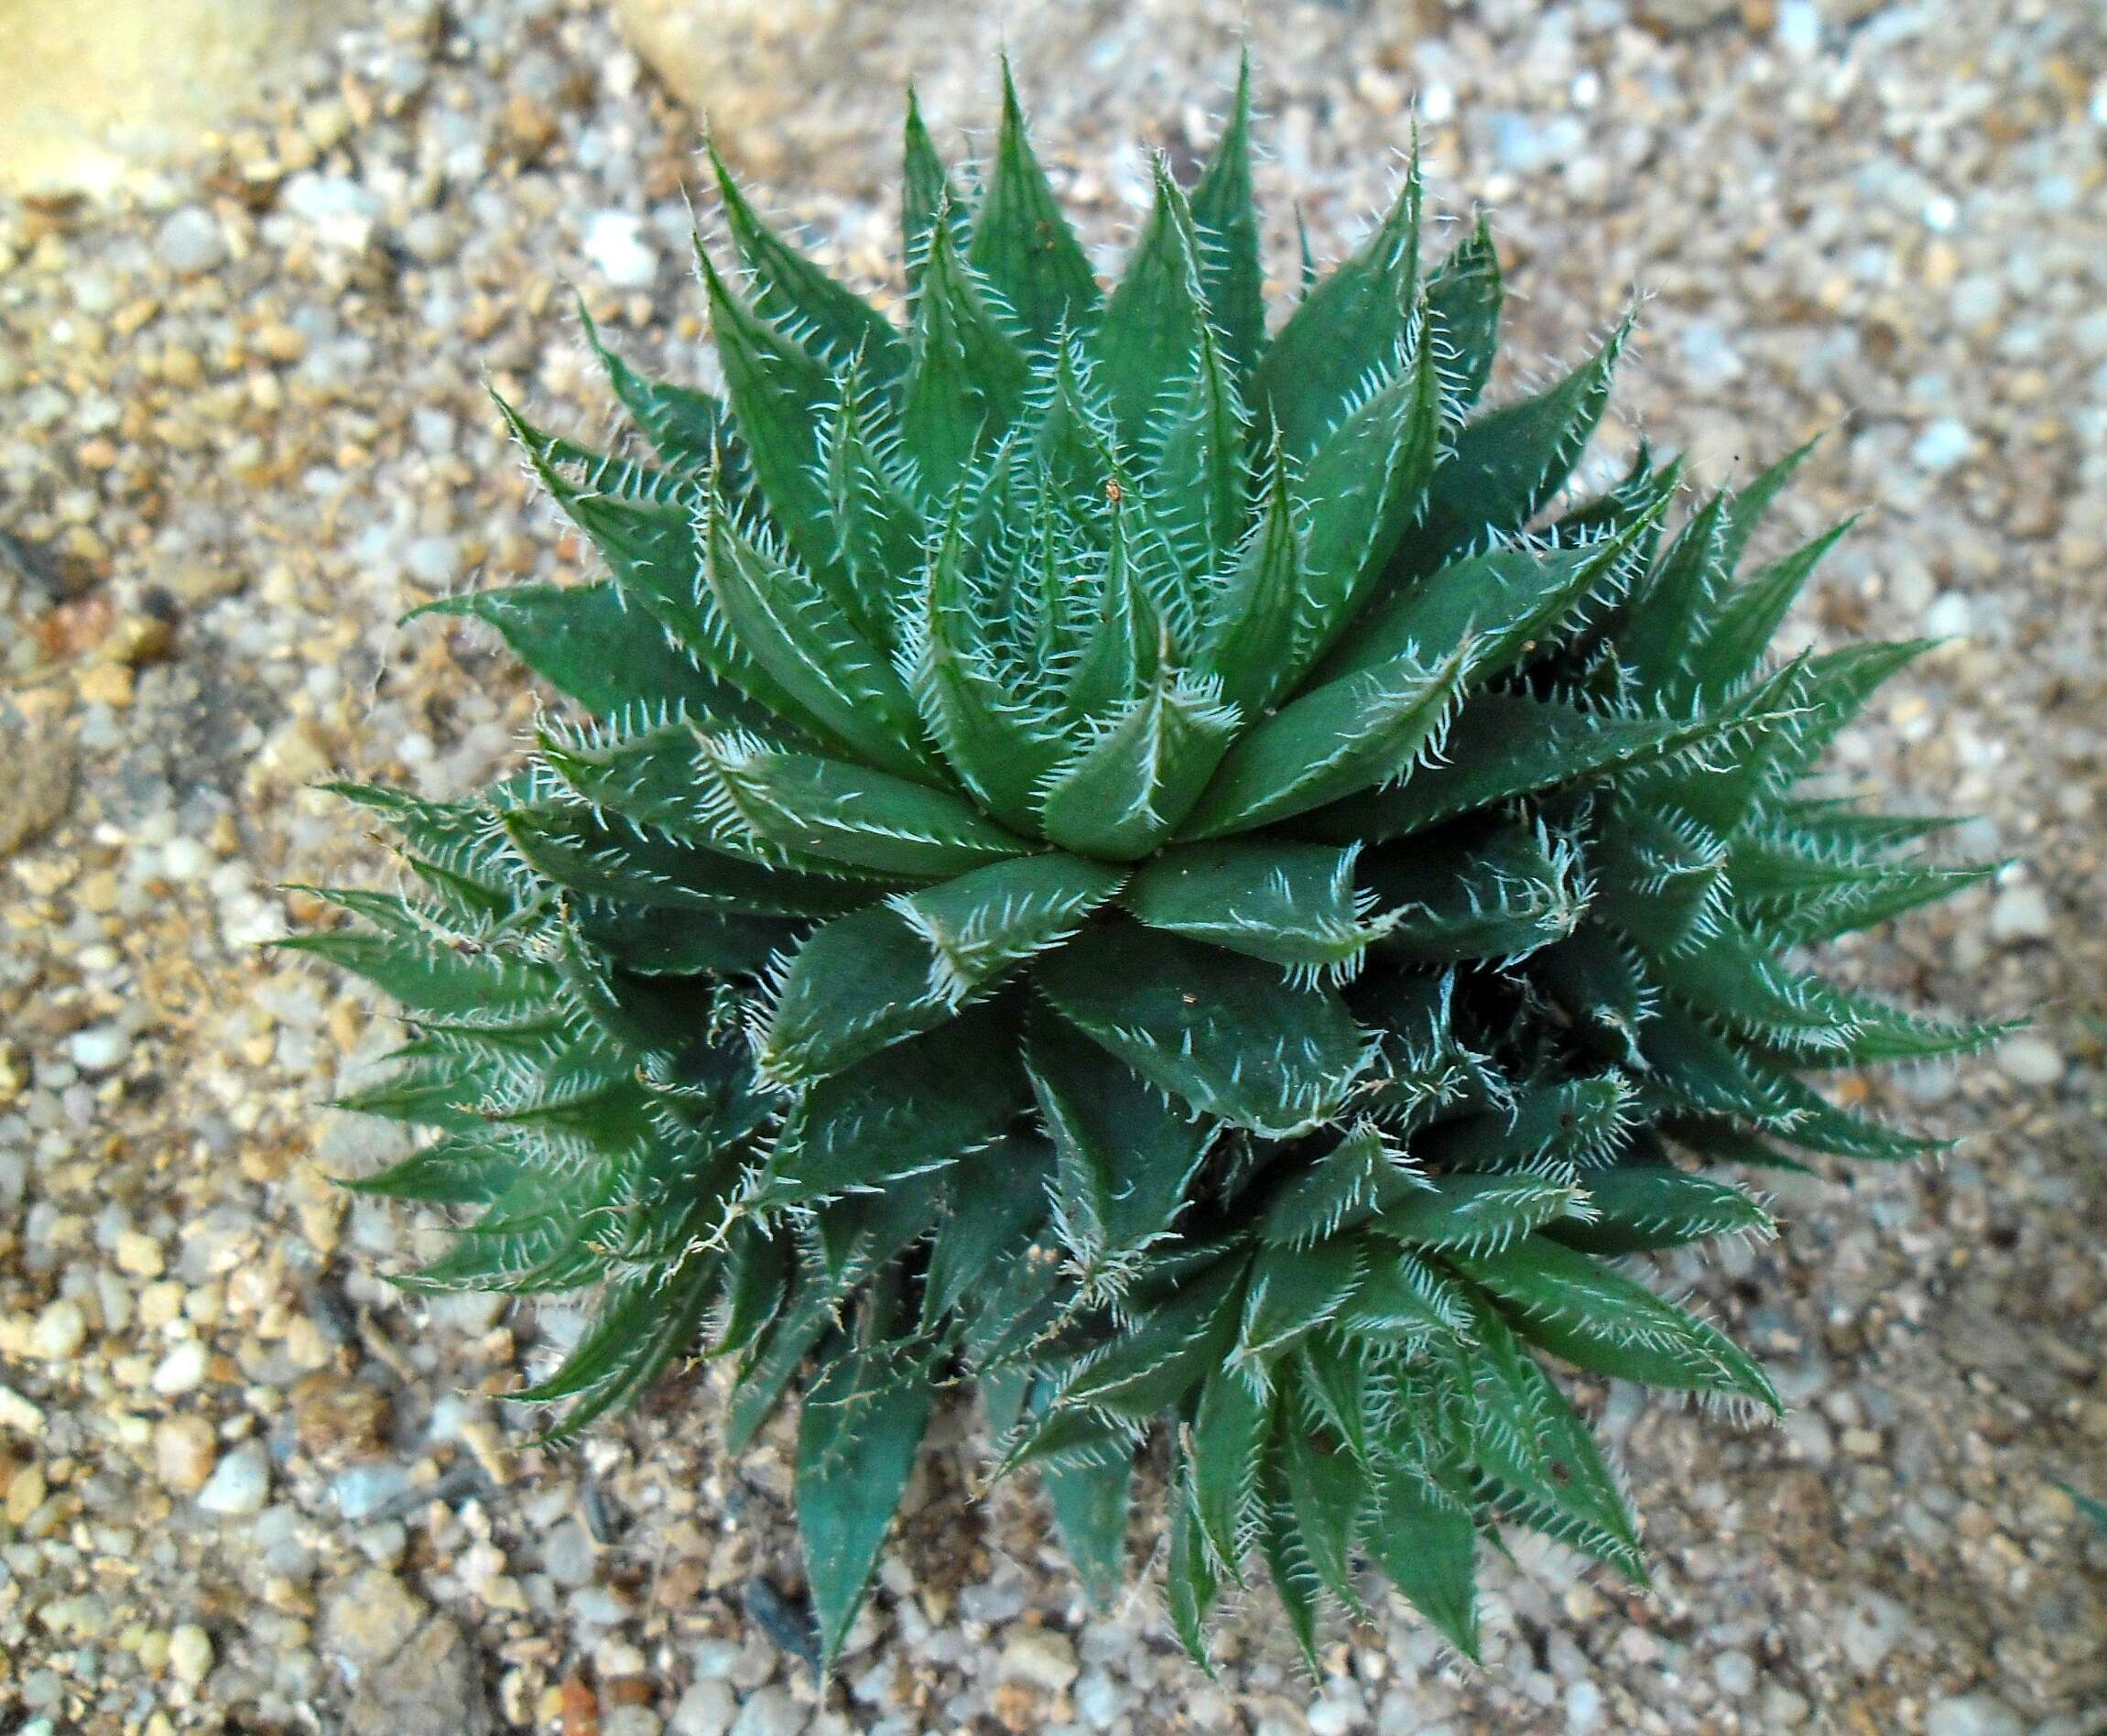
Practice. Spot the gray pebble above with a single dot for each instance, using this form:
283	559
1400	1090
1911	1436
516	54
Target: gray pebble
1973	1715
240	1482
191	241
771	1711
99	1049
707	1709
568	1556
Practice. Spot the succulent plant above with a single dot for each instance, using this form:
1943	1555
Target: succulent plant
1170	872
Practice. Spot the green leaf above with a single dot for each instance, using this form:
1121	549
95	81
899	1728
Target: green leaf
926	200
1123	658
1328	1494
857	985
1221	1032
844	813
1125	1156
1293	1290
1402	1298
1294	1578
685	427
1508	464
840	682
1335	1385
1663	620
858	1432
1366	482
642	1326
916	1108
1663	877
1153	324
1578	1121
466	1168
779	394
428	977
996	1200
1343	1188
1427	1543
1225	222
1227	1442
1526	1437
1506	600
586	643
1516	891
1746	508
1838	684
1196	464
1090	1505
865	980
877	529
461	838
1354	320
1166	1354
1191	1581
1463	299
1748	616
986	920
1645	1205
966	383
1254	618
1294	904
588	856
1502	746
1126	789
1585	1313
1001	745
1482	1213
1022	243
832	323
1730	976
1343	737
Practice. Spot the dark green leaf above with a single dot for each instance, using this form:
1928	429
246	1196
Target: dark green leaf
1022	243
858	1433
1219	1031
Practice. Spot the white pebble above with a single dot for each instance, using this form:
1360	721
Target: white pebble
185	859
191	240
1583	1708
181	1370
1950	616
2020	913
1942	445
98	1048
341	213
707	1709
239	1484
1041	1656
61	1328
2026	1059
191	1654
1973	1715
1734	1672
615	244
1799	27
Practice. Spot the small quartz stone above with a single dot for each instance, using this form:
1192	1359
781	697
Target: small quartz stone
184	1451
240	1483
191	1654
191	241
61	1328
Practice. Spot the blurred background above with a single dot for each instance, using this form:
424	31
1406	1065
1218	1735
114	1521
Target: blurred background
258	260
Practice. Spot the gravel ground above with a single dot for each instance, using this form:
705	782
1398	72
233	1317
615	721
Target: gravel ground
244	1486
